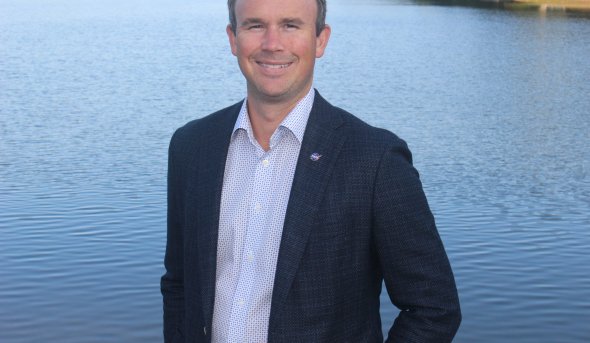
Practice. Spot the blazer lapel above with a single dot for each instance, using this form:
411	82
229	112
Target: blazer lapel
209	166
319	150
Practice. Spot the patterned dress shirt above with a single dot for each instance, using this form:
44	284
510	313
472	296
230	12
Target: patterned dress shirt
255	195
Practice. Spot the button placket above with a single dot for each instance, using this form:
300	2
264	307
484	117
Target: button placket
255	233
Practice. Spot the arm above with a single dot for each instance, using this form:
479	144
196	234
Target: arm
415	267
172	283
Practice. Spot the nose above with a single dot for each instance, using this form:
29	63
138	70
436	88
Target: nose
272	39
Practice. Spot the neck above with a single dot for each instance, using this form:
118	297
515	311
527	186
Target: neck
266	116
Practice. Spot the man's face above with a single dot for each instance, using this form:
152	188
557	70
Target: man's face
276	46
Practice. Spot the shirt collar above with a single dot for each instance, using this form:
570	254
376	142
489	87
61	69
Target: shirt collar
295	121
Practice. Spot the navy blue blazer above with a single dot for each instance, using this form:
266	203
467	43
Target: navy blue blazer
356	217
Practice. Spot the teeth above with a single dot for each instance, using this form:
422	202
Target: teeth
274	66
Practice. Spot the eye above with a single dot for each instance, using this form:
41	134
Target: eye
254	27
290	26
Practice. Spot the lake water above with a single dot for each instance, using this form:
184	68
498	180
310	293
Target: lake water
494	104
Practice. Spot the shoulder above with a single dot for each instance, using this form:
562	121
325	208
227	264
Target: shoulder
204	129
360	130
363	137
212	122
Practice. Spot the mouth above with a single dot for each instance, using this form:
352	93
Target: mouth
274	65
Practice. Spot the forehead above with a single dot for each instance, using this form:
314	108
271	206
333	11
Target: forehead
275	9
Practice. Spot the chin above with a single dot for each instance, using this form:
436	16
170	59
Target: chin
272	92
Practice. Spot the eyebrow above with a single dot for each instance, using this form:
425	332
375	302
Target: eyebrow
250	21
292	21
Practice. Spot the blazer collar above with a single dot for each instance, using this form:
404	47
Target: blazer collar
321	145
208	167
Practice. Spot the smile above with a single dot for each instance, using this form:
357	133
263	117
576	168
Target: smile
274	66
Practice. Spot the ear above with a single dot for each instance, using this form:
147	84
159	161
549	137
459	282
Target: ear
232	39
321	41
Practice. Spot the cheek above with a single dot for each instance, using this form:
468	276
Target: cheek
244	47
304	49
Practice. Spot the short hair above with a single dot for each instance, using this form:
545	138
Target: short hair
320	21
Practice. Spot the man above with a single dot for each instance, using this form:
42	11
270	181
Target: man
285	214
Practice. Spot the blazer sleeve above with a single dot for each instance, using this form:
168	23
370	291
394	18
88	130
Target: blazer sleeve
415	267
172	282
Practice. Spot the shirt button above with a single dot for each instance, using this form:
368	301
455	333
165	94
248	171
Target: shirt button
250	256
257	207
241	302
265	163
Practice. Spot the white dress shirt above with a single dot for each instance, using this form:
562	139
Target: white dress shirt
255	195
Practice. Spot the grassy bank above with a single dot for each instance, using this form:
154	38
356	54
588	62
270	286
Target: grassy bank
582	6
548	5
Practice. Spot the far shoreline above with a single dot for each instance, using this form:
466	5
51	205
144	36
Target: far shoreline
551	5
542	6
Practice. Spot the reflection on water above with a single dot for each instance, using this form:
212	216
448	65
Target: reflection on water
493	104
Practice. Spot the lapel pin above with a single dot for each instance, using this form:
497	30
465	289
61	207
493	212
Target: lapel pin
315	156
